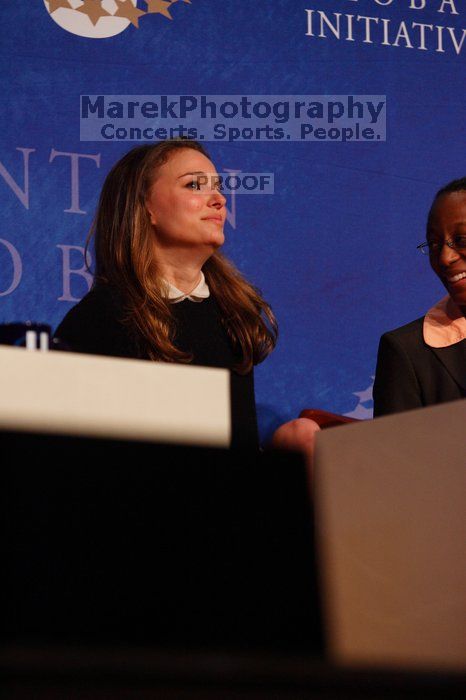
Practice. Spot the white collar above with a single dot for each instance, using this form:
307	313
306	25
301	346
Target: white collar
201	291
444	324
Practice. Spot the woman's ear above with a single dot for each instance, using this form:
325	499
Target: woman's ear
151	213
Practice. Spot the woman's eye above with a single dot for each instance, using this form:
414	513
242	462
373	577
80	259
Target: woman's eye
203	185
460	241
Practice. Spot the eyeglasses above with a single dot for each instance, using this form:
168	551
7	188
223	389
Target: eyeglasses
434	248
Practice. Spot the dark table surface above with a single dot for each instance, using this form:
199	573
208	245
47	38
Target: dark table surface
115	673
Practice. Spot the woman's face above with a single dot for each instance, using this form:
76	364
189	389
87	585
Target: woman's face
185	217
447	220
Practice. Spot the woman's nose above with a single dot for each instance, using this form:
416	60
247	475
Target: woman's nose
447	254
217	198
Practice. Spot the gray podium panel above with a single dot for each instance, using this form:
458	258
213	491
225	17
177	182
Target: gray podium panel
391	520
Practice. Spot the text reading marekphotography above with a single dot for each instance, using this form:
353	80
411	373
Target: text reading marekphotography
233	117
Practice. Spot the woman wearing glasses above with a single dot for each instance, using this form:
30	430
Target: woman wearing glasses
424	362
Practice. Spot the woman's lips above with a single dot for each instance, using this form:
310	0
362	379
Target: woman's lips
457	280
215	219
456	284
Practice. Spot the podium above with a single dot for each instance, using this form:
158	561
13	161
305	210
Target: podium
128	521
390	496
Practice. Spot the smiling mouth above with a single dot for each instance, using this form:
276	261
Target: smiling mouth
456	278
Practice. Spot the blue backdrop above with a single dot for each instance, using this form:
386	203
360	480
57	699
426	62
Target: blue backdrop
333	250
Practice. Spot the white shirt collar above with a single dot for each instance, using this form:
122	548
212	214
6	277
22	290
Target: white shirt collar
444	324
201	291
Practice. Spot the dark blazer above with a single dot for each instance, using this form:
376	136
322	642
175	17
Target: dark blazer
411	374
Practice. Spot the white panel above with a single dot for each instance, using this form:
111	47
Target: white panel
77	394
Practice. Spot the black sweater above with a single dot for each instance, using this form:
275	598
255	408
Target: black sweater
94	326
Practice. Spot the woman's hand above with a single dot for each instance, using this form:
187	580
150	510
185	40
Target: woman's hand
298	435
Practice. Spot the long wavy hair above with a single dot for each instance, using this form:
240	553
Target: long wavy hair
124	258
